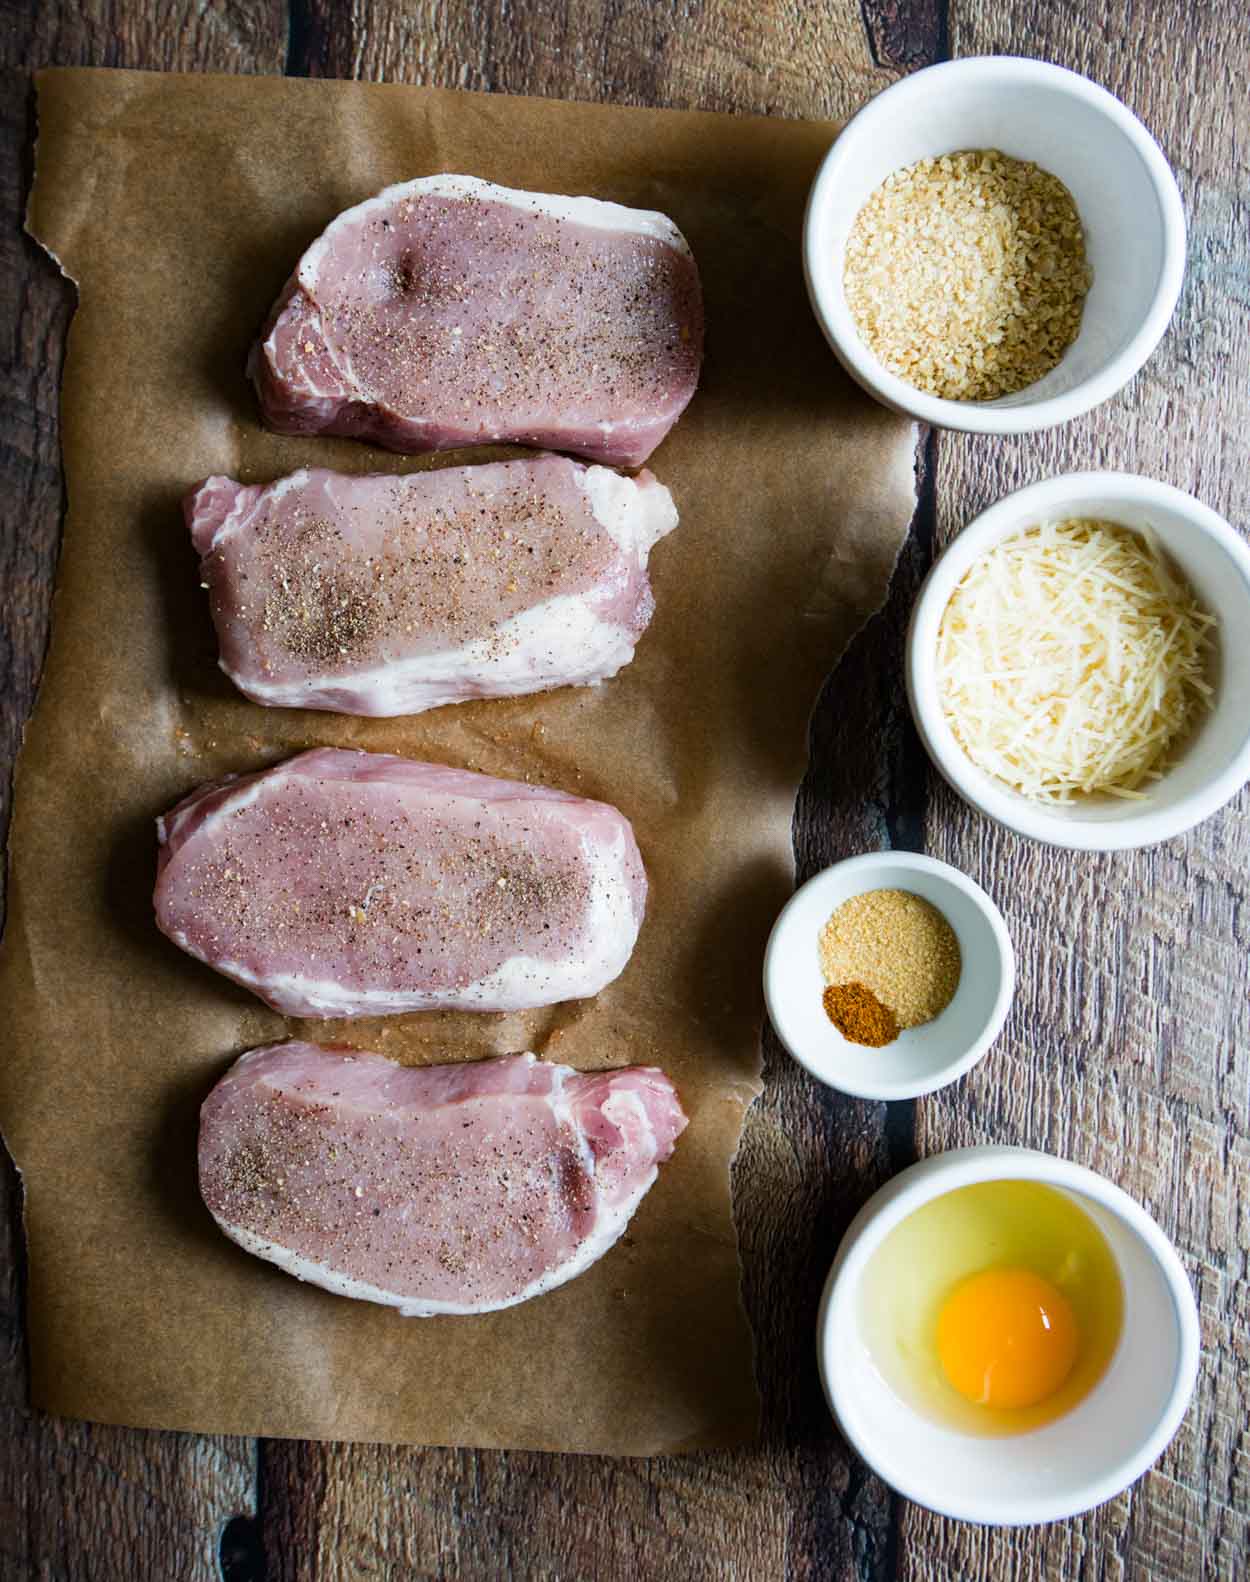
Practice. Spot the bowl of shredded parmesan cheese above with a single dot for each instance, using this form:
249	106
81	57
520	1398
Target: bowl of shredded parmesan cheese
1078	663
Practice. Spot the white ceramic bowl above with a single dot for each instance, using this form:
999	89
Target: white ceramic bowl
1216	761
1098	1448
921	1058
1125	194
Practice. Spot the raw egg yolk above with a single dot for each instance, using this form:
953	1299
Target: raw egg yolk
1007	1338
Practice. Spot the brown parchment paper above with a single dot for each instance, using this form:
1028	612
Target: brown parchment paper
179	205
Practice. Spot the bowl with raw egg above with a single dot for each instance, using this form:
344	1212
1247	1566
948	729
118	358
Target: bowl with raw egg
1077	662
1007	1337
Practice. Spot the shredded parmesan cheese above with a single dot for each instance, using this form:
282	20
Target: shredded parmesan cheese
1073	660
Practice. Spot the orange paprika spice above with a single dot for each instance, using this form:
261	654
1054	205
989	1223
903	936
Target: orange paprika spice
859	1015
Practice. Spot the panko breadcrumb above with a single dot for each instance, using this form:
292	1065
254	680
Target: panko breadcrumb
966	275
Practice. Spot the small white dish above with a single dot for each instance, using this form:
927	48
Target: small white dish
1214	764
920	1059
1072	1464
1124	191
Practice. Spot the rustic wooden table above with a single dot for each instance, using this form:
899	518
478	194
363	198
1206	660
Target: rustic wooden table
1129	1045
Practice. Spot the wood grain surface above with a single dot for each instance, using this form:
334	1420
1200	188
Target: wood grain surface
1128	1048
1129	1045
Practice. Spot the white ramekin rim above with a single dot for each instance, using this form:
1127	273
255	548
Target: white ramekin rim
946	1172
970	416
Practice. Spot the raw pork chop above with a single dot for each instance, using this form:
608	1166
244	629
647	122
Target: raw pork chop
383	595
448	311
358	884
440	1189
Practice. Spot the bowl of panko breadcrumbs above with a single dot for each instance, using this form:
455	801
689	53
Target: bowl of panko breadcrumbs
994	245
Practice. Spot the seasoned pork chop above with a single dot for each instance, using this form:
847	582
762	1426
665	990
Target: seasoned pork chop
436	1189
382	595
359	884
448	311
